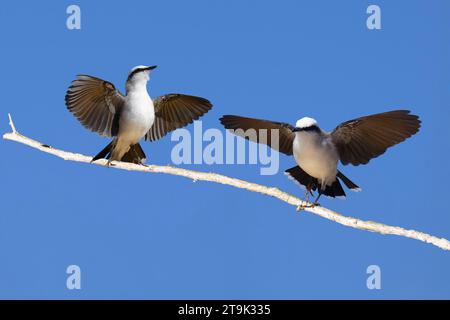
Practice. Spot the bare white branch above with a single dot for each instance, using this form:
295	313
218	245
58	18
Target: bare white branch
218	178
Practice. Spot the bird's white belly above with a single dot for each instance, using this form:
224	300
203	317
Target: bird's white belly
136	120
316	157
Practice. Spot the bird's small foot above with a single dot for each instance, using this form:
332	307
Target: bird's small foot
305	206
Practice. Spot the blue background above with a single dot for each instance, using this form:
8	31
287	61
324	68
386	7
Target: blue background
138	235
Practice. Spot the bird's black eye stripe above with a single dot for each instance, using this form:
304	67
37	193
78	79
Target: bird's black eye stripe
311	128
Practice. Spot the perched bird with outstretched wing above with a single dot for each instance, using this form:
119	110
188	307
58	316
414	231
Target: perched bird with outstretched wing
317	152
128	118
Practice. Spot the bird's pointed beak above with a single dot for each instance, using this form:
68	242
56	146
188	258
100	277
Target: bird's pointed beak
151	68
296	129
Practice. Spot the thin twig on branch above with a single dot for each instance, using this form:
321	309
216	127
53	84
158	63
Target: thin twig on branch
218	178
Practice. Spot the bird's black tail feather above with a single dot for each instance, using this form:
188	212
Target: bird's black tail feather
134	155
348	183
333	191
106	152
302	178
312	184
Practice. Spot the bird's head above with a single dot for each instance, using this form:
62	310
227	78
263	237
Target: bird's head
140	74
306	124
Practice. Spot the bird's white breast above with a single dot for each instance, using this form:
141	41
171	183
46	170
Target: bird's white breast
316	155
137	116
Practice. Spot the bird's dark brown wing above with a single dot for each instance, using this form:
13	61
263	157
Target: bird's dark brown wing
362	139
96	103
173	111
263	131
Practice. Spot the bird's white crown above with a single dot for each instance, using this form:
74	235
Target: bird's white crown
305	122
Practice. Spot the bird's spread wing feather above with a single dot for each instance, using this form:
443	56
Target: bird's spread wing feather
362	139
263	130
96	103
173	111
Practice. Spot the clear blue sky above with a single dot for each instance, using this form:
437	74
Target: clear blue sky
140	235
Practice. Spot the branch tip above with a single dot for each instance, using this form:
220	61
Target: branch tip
11	123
